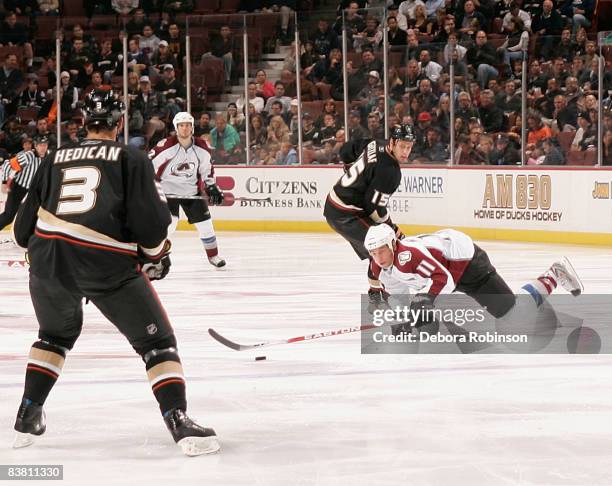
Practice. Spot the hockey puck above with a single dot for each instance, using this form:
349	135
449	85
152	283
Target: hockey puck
260	358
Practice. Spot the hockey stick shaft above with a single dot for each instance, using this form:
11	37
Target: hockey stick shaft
174	196
306	337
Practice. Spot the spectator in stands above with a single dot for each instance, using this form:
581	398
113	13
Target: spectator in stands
547	25
536	130
465	109
256	101
356	130
148	42
11	79
202	127
328	107
466	153
375	129
398	38
177	6
47	7
136	59
580	12
452	46
607	148
485	148
309	132
108	61
42	130
276	109
162	56
330	127
564	48
515	11
425	96
372	87
470	21
326	154
586	135
70	94
96	83
429	68
234	118
445	27
371	35
13	33
504	153
11	136
413	76
90	44
136	23
353	21
152	106
265	88
509	100
421	23
32	96
369	63
279	95
408	7
278	131
172	89
432	150
124	7
176	43
491	116
552	153
591	53
482	57
287	155
225	141
222	47
564	117
258	133
441	116
414	48
518	38
324	39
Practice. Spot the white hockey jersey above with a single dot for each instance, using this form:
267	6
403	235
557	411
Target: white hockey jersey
429	263
181	171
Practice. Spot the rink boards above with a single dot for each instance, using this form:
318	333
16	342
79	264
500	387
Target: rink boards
560	205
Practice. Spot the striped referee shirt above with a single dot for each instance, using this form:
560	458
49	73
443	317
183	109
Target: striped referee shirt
24	165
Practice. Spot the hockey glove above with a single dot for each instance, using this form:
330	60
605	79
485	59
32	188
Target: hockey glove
158	267
398	232
215	196
421	310
378	300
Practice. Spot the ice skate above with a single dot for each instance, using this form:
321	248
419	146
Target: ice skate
193	439
30	422
565	274
216	261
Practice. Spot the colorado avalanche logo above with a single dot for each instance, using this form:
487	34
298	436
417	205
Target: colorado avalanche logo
404	257
184	169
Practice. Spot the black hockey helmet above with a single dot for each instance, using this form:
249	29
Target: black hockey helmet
403	132
40	139
103	109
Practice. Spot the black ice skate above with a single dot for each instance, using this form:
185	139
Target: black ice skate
217	261
193	439
30	422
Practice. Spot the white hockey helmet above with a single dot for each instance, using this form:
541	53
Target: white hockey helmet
379	235
182	117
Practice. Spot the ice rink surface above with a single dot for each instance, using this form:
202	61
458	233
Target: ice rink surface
314	413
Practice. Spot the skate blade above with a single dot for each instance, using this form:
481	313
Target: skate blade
568	264
22	440
196	446
219	267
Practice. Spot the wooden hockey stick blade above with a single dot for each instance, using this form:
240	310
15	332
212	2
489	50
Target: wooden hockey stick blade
307	337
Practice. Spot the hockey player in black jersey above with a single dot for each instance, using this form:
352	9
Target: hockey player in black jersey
93	215
359	199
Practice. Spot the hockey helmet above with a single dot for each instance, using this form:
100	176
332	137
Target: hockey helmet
103	109
403	132
182	117
378	236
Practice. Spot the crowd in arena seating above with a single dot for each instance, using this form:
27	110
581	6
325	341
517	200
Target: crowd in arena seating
484	39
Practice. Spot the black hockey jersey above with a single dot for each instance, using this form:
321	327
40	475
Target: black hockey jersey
92	206
368	182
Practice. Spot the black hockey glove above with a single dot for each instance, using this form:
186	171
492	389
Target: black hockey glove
158	267
421	309
378	300
398	232
215	196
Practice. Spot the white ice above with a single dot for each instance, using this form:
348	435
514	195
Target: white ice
314	413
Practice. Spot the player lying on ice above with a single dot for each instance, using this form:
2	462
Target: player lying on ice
448	261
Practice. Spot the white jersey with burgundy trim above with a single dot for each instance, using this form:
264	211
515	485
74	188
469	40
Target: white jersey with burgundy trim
369	181
181	169
429	263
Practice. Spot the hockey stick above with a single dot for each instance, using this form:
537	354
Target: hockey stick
307	337
176	196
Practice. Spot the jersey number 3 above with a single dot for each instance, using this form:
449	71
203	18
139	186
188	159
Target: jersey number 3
78	190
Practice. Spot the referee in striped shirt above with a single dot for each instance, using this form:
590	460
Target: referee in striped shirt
18	173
